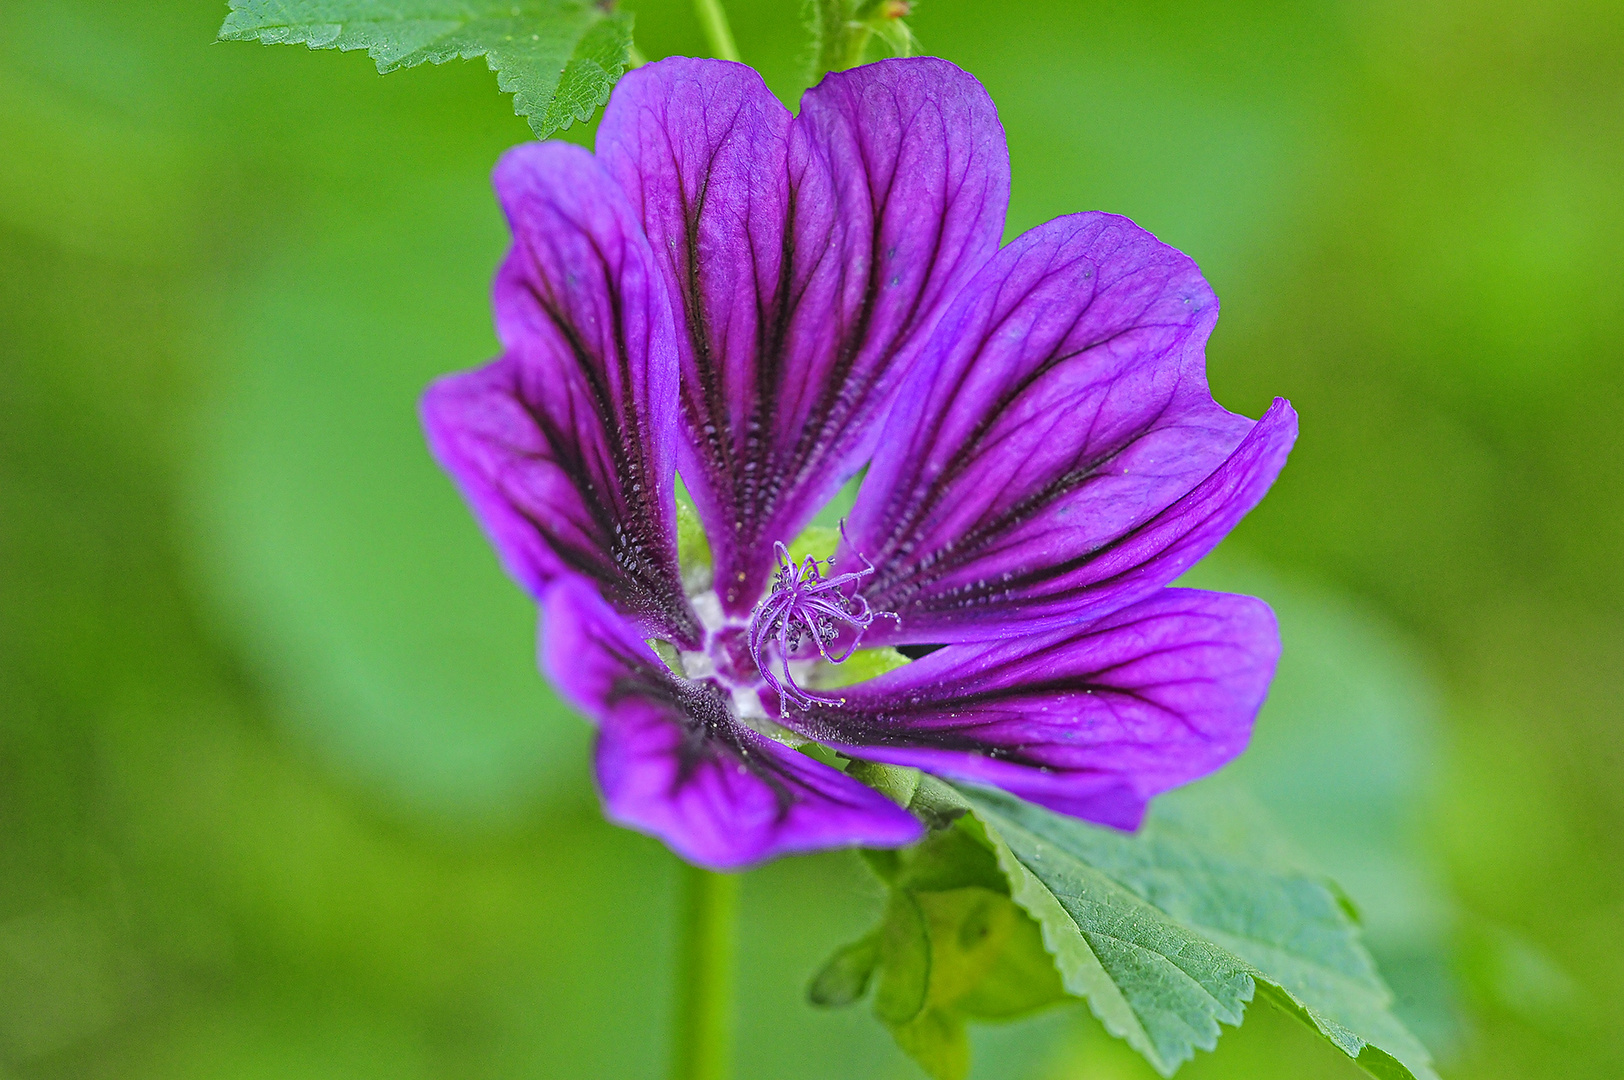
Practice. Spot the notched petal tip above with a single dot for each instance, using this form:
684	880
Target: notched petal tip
1057	453
917	78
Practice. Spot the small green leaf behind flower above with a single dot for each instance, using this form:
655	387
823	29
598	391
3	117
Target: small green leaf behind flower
951	947
558	58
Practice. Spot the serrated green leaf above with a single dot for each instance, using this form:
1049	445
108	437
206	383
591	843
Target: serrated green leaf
1169	932
558	58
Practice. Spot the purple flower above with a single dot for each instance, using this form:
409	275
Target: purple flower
770	303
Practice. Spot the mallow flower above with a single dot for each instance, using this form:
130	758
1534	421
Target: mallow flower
770	304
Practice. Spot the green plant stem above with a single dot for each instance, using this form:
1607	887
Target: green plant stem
717	33
702	1042
838	36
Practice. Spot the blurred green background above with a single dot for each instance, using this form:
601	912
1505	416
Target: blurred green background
281	795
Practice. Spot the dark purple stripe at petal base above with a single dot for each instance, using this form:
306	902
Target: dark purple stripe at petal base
809	258
673	761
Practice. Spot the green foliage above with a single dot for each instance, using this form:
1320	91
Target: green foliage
558	58
693	547
860	666
818	541
951	947
1406	218
845	976
1166	933
1169	932
668	654
1343	758
423	676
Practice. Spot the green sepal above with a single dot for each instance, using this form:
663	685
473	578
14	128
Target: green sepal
844	978
842	30
896	782
938	1043
905	960
885	862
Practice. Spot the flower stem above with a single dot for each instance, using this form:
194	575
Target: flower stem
839	39
713	20
702	1043
842	30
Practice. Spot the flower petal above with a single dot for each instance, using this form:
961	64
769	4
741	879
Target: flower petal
811	257
673	761
1056	453
1091	721
565	446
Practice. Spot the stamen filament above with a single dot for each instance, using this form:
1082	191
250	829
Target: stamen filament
805	605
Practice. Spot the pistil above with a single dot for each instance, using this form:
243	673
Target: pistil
805	606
